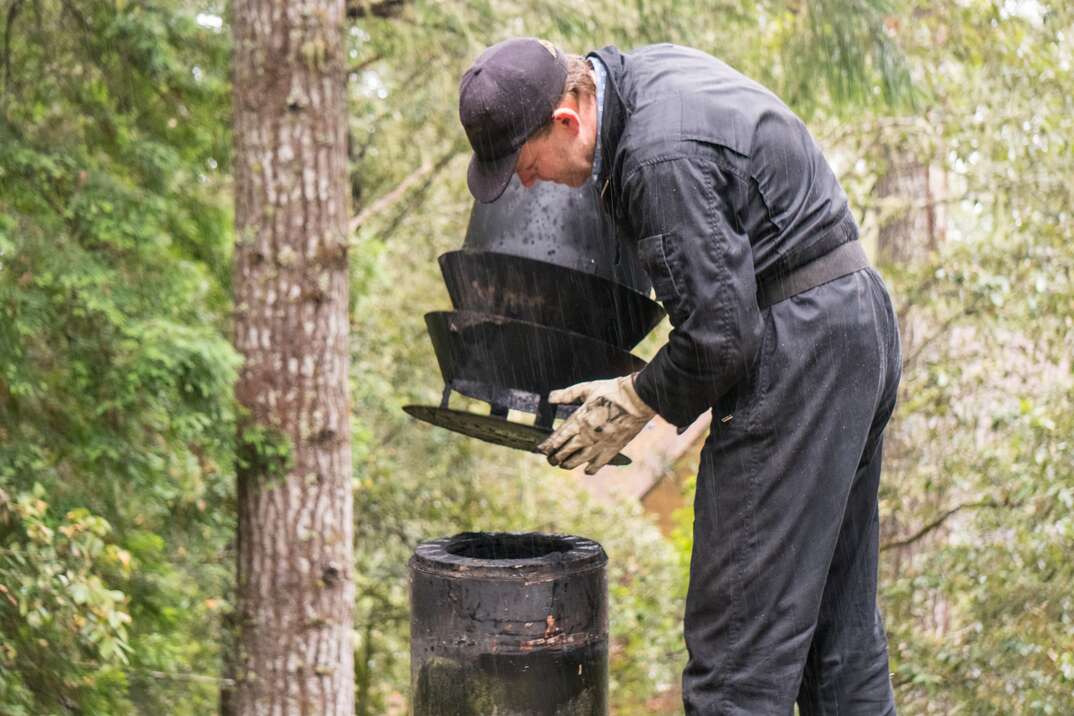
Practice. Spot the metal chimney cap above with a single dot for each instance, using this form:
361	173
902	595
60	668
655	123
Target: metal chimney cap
509	556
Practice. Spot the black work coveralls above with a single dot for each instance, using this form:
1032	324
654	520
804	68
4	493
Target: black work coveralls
724	190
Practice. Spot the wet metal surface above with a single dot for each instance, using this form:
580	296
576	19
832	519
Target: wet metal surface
558	225
509	624
489	428
546	297
551	295
486	348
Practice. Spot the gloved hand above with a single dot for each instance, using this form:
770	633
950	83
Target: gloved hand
610	416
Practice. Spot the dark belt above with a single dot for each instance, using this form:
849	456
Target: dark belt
840	261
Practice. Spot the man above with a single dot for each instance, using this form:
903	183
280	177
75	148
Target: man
778	326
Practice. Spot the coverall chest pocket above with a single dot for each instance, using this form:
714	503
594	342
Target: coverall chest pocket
661	257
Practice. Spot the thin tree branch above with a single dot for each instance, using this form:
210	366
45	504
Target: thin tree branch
911	359
362	690
375	8
171	676
12	14
938	522
365	63
419	194
386	201
843	131
899	205
393	197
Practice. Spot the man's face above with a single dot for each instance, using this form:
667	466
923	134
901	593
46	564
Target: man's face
563	155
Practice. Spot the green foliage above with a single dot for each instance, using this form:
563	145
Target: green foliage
115	377
64	634
264	451
981	470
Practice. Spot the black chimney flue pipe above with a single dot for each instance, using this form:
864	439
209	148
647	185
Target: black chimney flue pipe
509	624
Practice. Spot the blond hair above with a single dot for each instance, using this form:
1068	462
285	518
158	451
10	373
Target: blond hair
579	83
579	78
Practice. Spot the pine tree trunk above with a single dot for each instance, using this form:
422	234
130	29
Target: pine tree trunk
910	232
295	585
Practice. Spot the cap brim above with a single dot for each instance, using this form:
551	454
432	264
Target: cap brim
488	179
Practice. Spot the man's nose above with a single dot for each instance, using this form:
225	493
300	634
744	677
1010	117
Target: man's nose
527	178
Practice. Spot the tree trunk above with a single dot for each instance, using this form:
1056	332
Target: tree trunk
912	225
295	584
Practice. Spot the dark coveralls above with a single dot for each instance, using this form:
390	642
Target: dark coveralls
727	194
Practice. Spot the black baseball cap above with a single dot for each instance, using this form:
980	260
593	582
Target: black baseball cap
508	93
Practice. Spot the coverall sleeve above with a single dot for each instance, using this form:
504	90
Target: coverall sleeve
701	267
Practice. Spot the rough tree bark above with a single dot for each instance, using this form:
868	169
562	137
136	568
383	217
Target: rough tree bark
295	585
915	227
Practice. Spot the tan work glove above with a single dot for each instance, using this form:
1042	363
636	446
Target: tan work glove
610	416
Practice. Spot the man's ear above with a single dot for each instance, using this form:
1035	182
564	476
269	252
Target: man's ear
568	117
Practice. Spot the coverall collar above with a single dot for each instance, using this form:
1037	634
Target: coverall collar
613	119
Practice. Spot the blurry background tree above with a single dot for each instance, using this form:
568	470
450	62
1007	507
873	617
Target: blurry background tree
117	456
